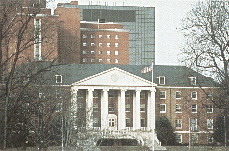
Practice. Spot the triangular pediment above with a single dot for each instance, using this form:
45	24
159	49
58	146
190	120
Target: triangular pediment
114	77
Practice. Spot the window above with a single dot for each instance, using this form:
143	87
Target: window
100	60
108	36
192	80
178	108
111	122
95	122
92	52
100	44
210	123
41	95
95	107
142	108
80	105
116	53
143	123
108	60
162	95
84	36
179	138
209	109
84	52
92	44
96	94
111	108
58	107
108	44
92	36
194	108
194	95
116	60
210	139
58	79
100	36
193	124
209	96
162	108
195	138
84	44
116	37
92	60
178	95
111	94
127	94
128	107
142	95
127	122
100	52
116	44
178	123
108	52
162	80
84	59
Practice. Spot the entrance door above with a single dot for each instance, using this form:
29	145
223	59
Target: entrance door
112	122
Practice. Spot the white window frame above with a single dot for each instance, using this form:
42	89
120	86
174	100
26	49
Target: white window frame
193	108
116	37
108	36
142	107
116	53
100	36
84	59
108	60
84	44
160	77
130	122
164	94
100	52
108	52
144	122
100	44
178	107
116	60
100	60
108	44
192	80
60	78
92	52
164	107
193	127
95	107
192	95
92	59
210	108
180	138
84	36
92	44
116	45
92	36
176	95
178	123
127	107
210	121
84	52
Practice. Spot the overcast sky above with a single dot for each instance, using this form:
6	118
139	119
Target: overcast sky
168	19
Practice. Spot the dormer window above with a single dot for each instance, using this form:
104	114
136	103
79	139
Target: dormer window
162	80
192	80
58	78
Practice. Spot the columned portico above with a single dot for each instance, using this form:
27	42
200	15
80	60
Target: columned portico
151	109
136	110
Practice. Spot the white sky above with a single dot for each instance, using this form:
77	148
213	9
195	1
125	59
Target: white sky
168	19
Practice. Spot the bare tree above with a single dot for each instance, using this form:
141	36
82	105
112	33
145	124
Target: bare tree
21	35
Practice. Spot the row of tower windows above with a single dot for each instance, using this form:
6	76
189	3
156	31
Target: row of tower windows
101	36
100	60
100	44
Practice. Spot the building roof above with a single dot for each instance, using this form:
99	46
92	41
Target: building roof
178	76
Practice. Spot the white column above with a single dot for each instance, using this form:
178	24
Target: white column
153	117
104	109
73	107
89	109
136	113
121	111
